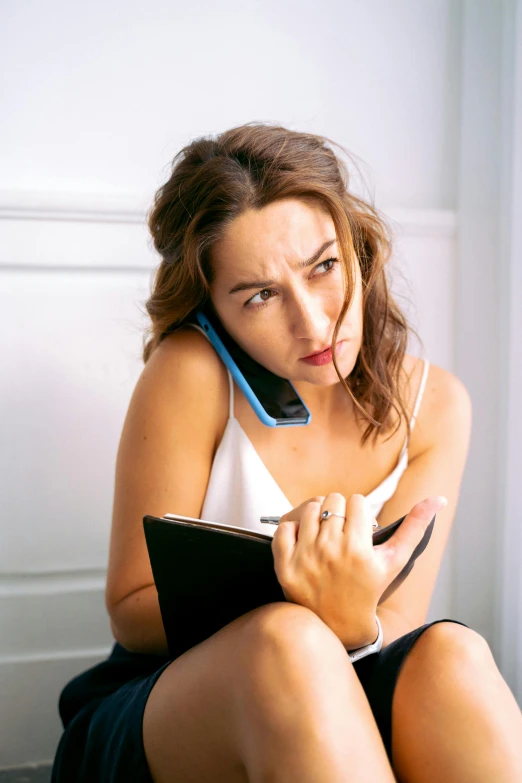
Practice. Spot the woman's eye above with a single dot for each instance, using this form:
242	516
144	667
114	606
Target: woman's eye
328	261
252	303
262	303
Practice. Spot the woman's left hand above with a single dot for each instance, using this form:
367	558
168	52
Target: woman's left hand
329	570
332	567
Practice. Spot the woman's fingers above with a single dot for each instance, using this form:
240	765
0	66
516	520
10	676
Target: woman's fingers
285	537
296	513
331	528
284	542
309	523
403	542
359	524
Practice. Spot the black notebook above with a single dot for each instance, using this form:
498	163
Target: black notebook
207	574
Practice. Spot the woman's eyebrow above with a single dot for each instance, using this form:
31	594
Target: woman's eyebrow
247	284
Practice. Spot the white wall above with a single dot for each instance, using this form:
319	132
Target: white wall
100	97
98	100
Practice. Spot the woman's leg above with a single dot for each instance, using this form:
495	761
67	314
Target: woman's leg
453	715
270	697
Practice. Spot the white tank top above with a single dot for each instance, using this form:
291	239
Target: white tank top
241	489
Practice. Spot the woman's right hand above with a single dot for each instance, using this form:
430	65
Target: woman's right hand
331	565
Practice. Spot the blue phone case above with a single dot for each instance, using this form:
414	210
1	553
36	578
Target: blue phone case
242	383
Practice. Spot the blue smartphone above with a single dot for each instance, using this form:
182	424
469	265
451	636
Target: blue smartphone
274	399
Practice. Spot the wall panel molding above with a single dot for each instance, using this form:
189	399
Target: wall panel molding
88	207
44	626
68	232
51	582
128	208
98	653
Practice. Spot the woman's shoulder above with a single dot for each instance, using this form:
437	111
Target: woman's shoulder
187	338
188	357
187	349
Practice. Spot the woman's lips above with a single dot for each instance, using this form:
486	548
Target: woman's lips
325	357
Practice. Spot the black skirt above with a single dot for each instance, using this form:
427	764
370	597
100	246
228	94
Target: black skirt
102	711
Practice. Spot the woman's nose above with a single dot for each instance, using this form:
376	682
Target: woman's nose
309	319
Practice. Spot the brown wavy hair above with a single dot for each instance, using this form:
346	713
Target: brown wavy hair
214	180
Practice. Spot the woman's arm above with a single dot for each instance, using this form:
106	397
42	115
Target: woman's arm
136	622
438	470
164	460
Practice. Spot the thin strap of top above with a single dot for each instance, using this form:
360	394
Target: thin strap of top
420	393
416	407
415	410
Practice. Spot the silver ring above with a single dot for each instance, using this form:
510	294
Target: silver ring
327	514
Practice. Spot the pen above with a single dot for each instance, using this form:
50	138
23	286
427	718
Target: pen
275	521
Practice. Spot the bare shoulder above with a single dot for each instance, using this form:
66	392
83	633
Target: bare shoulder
445	406
187	345
186	362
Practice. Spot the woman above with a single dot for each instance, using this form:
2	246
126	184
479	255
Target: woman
260	224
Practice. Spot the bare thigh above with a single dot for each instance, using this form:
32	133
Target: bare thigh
195	726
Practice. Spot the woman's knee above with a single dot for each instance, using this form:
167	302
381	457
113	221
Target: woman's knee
455	639
453	649
286	629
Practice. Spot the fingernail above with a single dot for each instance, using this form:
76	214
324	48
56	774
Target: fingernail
442	500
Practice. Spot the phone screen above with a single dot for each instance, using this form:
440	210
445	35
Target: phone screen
276	395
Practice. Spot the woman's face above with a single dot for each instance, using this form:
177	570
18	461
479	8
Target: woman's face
278	290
